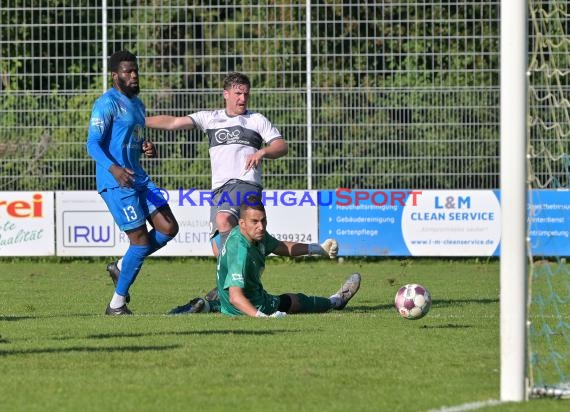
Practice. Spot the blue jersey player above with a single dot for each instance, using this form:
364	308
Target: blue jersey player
115	142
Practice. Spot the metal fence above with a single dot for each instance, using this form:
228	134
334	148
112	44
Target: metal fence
399	94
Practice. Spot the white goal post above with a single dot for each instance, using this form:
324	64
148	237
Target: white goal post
513	266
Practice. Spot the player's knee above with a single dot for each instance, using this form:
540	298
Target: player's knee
303	303
225	222
173	229
289	303
164	221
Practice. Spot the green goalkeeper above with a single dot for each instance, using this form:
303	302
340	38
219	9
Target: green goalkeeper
242	262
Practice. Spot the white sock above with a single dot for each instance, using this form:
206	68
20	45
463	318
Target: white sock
117	301
120	264
336	300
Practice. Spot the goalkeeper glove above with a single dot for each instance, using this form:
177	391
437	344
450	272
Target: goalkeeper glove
328	248
276	315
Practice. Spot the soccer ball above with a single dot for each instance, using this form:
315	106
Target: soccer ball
412	301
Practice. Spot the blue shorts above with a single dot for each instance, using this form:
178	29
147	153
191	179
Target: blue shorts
130	207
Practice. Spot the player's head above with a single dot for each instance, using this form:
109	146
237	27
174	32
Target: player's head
236	93
125	72
252	218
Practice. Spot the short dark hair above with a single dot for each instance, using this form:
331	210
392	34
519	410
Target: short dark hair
251	202
236	79
121	56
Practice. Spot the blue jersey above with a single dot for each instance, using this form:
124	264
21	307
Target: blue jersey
115	137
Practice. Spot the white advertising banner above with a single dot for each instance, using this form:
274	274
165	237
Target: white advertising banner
84	227
26	224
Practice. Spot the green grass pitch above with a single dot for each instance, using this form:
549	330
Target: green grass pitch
58	352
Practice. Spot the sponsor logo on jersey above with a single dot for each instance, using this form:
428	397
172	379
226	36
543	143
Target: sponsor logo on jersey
234	135
226	135
238	277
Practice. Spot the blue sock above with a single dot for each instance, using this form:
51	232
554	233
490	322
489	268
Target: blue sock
158	240
132	263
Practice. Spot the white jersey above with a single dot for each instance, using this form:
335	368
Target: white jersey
231	140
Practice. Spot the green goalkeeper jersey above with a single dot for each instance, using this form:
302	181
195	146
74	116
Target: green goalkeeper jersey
241	264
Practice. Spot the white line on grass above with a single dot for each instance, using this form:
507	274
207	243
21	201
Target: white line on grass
467	406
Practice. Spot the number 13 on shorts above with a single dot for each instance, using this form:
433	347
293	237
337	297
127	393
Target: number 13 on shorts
130	213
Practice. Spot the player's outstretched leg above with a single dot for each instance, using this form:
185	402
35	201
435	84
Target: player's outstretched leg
310	304
346	292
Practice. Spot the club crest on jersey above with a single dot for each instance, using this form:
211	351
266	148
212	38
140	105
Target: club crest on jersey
137	133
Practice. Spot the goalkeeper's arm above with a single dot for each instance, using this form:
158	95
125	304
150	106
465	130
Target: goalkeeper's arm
328	248
243	304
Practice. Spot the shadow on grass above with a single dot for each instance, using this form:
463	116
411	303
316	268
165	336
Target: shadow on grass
190	332
18	352
438	303
16	318
446	326
460	302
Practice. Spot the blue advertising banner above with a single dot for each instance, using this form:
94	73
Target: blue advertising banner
365	222
412	222
548	222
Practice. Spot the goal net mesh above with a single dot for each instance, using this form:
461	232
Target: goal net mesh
548	171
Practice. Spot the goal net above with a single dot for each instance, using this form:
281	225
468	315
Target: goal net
548	212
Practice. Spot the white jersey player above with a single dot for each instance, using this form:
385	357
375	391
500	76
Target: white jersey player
238	141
